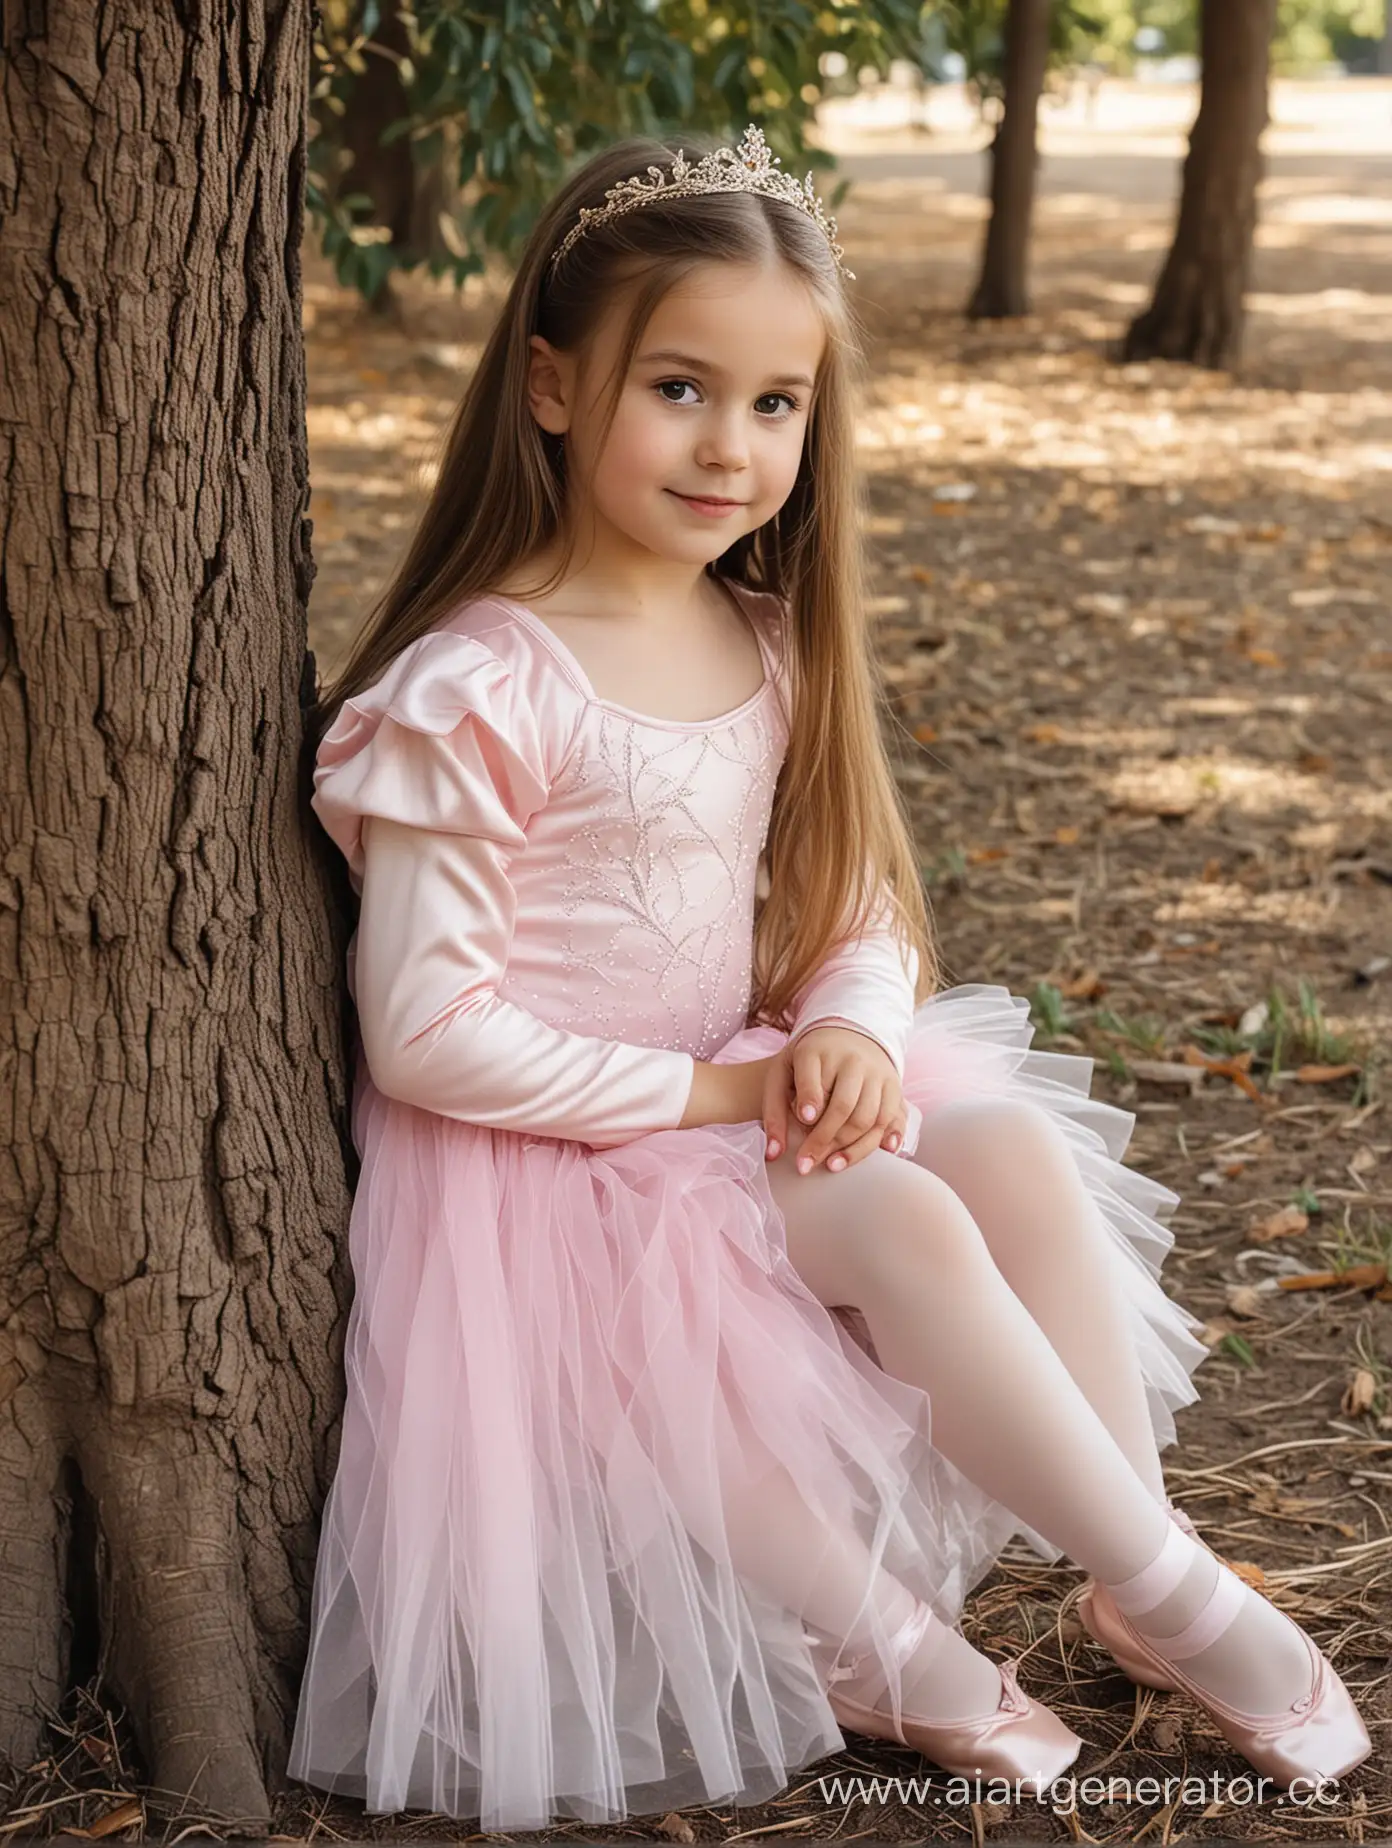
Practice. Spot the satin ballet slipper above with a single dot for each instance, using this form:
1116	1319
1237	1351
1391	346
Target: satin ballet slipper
1021	1740
1099	1615
1320	1735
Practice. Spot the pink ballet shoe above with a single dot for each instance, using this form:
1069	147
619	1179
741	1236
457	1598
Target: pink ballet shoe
1319	1736
1100	1617
1021	1740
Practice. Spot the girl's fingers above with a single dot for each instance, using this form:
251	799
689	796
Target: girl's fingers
887	1132
809	1090
895	1134
854	1102
776	1089
858	1150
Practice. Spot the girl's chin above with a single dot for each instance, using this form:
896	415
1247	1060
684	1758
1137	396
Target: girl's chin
679	536
691	543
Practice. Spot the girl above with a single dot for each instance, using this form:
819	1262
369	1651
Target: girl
683	1195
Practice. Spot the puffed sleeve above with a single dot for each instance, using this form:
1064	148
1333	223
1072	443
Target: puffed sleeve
426	782
867	982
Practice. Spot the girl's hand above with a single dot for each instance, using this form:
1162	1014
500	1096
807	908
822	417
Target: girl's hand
845	1084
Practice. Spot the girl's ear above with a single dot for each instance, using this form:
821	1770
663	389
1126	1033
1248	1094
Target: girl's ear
550	378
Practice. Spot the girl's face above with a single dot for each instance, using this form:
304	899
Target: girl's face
710	421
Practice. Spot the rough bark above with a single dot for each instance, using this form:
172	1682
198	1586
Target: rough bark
1003	286
173	1186
1198	309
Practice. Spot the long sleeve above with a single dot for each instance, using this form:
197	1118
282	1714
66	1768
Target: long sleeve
426	783
866	983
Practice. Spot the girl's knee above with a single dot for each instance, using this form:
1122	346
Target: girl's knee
913	1222
874	1225
999	1130
1011	1162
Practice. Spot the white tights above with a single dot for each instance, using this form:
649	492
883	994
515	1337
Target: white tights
986	1276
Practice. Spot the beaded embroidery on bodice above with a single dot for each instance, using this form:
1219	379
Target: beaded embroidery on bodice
657	914
641	871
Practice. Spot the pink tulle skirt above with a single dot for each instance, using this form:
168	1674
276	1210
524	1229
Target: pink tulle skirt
560	1363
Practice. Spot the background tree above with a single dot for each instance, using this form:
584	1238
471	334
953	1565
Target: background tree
174	1189
1007	50
1002	287
1197	310
381	166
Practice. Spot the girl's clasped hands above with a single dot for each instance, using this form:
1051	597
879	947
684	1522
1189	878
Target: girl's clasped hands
840	1089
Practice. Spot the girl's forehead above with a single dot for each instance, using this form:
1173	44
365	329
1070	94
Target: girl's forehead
740	317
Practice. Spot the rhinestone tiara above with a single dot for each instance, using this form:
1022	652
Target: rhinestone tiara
748	168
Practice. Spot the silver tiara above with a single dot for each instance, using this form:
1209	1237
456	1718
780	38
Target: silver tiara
748	168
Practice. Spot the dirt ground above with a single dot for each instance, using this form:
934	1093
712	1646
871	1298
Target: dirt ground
1135	633
1134	627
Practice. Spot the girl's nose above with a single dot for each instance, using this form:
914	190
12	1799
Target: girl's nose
724	443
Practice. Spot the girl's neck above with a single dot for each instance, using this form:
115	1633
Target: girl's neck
647	589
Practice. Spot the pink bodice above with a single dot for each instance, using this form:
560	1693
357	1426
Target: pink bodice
635	894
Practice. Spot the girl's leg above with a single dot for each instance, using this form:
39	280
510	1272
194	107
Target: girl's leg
1012	1168
777	1541
896	1242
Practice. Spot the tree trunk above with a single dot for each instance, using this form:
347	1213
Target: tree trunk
1198	309
386	172
407	197
1003	288
174	1189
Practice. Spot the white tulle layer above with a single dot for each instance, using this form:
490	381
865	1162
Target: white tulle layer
560	1362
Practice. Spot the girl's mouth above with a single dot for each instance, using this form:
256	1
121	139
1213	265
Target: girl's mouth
710	505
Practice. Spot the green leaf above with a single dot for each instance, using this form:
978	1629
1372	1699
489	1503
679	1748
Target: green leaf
519	85
728	65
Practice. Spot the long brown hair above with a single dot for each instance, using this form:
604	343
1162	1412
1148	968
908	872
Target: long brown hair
499	500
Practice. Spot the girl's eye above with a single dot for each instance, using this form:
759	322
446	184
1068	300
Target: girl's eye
779	397
666	385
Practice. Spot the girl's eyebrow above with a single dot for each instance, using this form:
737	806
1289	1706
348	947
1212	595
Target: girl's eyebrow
669	356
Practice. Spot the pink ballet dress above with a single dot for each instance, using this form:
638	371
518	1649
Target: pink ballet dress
575	1323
